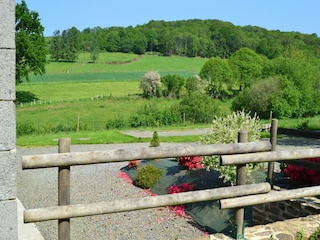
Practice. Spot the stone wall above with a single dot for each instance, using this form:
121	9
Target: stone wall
8	161
278	211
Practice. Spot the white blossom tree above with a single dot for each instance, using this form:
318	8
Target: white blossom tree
150	83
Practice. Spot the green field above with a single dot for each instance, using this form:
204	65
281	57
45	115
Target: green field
117	67
78	99
86	95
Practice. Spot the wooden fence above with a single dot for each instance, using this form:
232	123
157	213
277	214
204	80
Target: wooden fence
233	196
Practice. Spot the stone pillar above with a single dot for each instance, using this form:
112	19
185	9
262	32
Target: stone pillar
8	161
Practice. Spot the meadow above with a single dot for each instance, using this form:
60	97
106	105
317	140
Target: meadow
78	99
85	95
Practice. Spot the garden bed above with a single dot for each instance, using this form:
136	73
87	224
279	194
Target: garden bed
205	214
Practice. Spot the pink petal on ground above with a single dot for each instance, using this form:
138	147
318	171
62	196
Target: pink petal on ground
125	176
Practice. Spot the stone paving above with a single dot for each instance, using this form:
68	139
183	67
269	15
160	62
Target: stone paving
282	230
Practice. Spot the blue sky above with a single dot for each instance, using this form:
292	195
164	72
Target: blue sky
284	15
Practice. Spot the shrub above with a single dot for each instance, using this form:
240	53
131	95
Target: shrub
303	176
26	128
147	176
155	140
190	162
198	107
225	130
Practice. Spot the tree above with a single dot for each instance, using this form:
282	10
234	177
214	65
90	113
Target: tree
55	46
172	85
30	43
198	107
150	83
65	47
246	65
217	72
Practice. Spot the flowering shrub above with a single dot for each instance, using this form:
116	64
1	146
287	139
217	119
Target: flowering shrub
190	162
133	164
225	130
299	175
184	187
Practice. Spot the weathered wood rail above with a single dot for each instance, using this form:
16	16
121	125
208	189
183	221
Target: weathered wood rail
238	154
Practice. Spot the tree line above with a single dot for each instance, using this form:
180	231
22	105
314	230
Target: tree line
288	85
190	38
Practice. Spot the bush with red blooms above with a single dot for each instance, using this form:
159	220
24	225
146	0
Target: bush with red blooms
184	187
190	162
303	176
134	164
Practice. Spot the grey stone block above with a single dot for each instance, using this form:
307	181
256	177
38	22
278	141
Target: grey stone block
7	74
8	174
7	24
8	220
7	126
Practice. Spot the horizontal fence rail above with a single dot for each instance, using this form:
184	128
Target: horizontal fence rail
272	196
121	155
81	210
273	156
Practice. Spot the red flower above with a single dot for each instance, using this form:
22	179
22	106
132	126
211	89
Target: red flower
190	162
299	175
133	164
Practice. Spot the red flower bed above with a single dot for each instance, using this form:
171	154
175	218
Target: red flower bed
190	162
303	176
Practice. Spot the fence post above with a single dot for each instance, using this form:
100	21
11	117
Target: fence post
241	180
64	190
273	141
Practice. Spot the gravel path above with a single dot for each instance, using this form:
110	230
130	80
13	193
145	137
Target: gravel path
96	183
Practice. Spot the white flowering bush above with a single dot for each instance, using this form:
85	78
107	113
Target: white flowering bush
225	130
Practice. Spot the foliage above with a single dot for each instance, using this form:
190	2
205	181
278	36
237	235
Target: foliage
303	176
246	65
190	162
65	46
147	176
276	94
195	83
217	73
172	85
257	98
133	164
155	140
225	130
198	107
316	234
197	38
25	128
302	80
150	83
30	43
303	124
300	235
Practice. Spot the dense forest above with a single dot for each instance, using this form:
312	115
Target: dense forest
191	38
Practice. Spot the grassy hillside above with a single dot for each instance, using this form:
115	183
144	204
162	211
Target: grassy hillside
88	95
117	67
